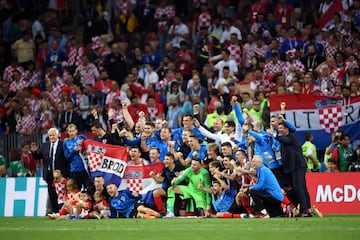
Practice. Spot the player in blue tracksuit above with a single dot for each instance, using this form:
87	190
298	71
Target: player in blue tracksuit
263	146
266	192
128	204
72	148
240	139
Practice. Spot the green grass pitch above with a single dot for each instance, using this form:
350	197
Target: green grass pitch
330	227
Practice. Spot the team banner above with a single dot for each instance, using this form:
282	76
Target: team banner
105	160
320	115
138	179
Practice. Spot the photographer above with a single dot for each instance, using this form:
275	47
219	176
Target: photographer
354	161
343	152
335	137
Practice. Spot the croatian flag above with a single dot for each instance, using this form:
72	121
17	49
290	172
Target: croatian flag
327	17
105	160
138	179
320	115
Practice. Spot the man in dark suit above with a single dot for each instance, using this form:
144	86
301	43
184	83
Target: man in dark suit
53	157
295	165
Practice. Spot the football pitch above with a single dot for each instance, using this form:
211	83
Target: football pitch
330	227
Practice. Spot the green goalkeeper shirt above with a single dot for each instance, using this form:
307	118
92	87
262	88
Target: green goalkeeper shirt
194	180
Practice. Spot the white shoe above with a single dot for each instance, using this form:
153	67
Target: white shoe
169	215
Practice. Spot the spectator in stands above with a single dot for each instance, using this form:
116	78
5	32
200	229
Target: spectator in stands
174	113
56	56
70	116
331	165
28	159
87	72
26	124
3	171
59	37
16	166
164	13
18	83
151	56
91	19
24	49
229	29
178	32
312	60
115	64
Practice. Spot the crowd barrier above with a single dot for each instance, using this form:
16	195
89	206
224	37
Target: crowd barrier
332	193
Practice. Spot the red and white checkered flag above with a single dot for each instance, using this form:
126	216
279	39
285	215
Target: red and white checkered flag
330	118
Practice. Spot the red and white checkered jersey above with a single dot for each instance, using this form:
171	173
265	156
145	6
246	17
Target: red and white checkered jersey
197	3
74	55
88	74
56	92
97	204
260	51
35	107
70	196
330	51
295	64
168	11
268	85
60	188
248	53
235	53
336	74
16	86
124	5
33	78
326	85
309	89
204	20
347	37
8	72
26	124
104	53
272	68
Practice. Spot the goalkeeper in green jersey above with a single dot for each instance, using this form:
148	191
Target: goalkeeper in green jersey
195	176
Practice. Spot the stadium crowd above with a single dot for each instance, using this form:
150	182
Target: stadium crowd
180	82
